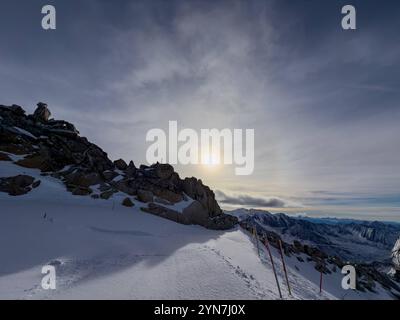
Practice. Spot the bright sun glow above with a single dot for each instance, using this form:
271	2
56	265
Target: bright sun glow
210	160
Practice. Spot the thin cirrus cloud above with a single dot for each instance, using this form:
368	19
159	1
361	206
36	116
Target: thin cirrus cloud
249	201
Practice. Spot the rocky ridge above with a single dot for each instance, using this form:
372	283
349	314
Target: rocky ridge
368	275
56	148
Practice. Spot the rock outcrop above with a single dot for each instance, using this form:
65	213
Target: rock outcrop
127	202
18	185
120	164
4	157
42	113
196	190
194	213
56	148
395	272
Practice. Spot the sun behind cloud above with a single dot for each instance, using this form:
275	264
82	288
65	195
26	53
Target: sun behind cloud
211	161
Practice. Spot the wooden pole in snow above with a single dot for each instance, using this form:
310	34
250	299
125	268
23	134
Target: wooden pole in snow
284	267
320	283
273	266
256	237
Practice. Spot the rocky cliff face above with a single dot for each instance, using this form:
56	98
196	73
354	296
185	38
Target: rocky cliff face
56	148
396	260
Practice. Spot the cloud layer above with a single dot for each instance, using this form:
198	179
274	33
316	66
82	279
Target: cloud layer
249	201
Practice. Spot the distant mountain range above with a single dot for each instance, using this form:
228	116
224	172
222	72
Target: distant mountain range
355	240
332	220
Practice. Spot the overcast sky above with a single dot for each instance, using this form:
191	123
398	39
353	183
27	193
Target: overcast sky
324	102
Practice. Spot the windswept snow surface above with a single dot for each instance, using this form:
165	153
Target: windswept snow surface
102	250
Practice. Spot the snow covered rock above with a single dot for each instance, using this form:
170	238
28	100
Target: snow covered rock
396	255
395	272
17	185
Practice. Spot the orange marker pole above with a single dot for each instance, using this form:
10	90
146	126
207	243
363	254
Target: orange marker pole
320	283
256	237
284	267
273	266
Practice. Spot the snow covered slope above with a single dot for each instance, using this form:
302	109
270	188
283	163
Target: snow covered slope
126	254
102	250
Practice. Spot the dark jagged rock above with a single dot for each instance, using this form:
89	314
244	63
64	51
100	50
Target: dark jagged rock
79	190
40	161
163	171
127	202
197	213
145	196
15	109
56	148
125	185
42	113
131	170
109	175
4	157
107	194
195	189
120	164
83	179
17	185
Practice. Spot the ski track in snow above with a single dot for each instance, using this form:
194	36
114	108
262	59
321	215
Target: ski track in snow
248	279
